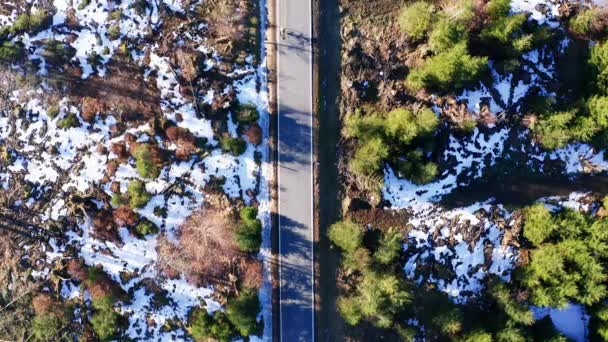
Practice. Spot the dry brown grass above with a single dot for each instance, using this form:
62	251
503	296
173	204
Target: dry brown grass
206	252
16	291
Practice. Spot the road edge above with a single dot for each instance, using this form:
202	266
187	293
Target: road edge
316	193
271	64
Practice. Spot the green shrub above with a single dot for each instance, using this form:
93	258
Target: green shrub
378	298
10	52
477	336
510	334
246	114
553	130
249	230
400	125
568	265
448	71
235	146
346	234
497	9
599	323
538	224
83	4
582	22
349	310
144	162
69	121
415	19
114	32
369	157
31	23
56	52
389	248
516	311
138	196
449	321
363	127
446	35
52	111
504	37
115	15
146	227
204	326
104	323
357	259
105	320
242	312
45	327
598	62
117	200
597	106
413	167
564	272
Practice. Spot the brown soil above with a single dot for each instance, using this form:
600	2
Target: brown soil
379	218
122	91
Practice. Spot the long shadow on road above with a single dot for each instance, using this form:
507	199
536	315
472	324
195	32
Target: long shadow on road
296	281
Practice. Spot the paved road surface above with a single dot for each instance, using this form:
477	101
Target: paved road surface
295	170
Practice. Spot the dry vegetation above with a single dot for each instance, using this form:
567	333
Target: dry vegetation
206	253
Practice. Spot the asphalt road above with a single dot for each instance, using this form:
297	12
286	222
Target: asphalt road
295	175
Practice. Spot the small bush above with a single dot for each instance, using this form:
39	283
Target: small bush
582	23
415	19
145	162
104	324
346	234
69	121
115	14
83	4
10	52
204	326
56	52
249	231
47	326
497	9
117	200
389	248
552	130
369	157
51	317
146	227
448	71
446	35
246	114
504	37
234	146
538	223
598	62
52	111
138	196
114	32
31	23
242	312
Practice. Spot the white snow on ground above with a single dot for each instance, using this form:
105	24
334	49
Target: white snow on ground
470	156
94	38
571	321
575	154
467	242
74	157
436	236
249	94
542	11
